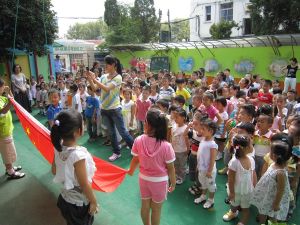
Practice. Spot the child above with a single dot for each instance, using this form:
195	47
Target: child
54	108
271	194
265	97
253	95
262	141
142	105
92	107
208	108
166	91
154	93
221	134
180	144
156	158
195	139
7	146
280	113
128	111
180	83
73	166
241	179
63	94
76	102
206	164
179	101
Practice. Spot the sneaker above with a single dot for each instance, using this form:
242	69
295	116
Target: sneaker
114	157
223	171
179	181
230	215
219	156
201	199
208	204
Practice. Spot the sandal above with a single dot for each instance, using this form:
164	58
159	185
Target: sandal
15	175
16	168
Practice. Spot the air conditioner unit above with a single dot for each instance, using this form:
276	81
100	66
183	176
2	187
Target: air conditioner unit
247	7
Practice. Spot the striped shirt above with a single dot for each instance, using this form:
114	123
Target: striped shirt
110	99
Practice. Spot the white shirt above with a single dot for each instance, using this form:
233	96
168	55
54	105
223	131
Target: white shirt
203	155
65	171
63	98
243	178
178	140
76	101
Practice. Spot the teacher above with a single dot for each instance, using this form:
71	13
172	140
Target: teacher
110	84
19	86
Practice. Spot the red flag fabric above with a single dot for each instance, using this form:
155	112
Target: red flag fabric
107	178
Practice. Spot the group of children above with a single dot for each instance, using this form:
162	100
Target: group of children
186	125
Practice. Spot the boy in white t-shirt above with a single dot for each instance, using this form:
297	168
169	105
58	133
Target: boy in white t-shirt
76	102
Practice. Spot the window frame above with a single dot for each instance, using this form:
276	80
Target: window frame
226	16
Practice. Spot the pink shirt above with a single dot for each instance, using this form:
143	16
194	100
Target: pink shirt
142	108
153	156
211	111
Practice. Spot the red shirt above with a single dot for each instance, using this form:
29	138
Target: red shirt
265	97
142	108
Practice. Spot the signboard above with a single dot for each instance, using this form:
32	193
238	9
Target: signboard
159	63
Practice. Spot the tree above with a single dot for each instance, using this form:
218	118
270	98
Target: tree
222	30
180	29
87	31
34	28
275	16
112	13
147	23
125	30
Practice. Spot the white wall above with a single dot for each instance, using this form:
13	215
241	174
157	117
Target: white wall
198	8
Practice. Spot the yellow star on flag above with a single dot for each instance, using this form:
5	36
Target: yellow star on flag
28	131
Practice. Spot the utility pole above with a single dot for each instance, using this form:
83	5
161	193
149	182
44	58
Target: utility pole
169	23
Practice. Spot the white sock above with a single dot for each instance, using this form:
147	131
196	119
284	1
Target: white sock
10	171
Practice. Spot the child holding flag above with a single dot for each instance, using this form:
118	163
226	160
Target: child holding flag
7	146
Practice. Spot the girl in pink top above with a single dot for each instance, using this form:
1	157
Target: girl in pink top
156	158
142	105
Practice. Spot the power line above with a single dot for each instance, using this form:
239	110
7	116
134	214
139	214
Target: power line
79	18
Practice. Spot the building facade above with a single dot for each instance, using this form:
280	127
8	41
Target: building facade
208	12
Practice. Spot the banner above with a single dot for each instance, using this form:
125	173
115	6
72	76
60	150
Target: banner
107	178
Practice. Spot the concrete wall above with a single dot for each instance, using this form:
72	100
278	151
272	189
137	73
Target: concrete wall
198	8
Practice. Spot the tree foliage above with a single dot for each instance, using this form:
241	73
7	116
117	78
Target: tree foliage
137	24
147	23
112	13
87	31
34	29
180	30
275	16
222	30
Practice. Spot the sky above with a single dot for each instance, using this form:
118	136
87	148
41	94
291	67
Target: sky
95	9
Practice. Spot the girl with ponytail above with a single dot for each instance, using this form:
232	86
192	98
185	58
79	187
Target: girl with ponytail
156	158
111	110
74	168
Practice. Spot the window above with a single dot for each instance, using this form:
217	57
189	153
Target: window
208	13
227	11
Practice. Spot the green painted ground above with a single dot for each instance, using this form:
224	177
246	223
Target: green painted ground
32	200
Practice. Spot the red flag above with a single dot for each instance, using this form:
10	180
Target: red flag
107	178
